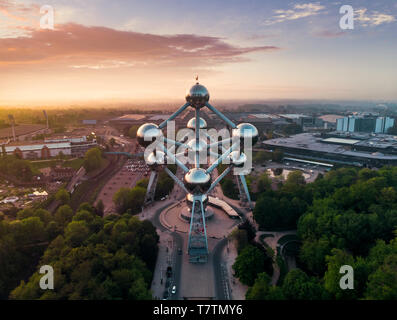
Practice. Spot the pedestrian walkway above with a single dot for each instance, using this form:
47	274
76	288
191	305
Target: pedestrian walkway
237	289
272	243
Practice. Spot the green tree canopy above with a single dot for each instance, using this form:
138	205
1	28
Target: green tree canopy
92	159
248	264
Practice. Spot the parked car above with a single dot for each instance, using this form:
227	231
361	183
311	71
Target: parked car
166	295
169	271
173	291
179	251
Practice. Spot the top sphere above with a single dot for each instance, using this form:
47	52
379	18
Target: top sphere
197	96
246	130
148	133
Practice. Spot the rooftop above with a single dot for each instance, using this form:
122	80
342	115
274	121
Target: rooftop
36	146
129	117
314	142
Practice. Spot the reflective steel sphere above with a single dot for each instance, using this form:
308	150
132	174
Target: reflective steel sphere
197	96
147	133
192	123
155	159
246	131
197	180
238	159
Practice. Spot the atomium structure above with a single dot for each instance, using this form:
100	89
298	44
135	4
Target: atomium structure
197	181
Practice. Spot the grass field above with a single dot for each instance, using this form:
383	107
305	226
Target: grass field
74	163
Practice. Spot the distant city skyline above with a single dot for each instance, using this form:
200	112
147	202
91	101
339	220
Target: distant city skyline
151	50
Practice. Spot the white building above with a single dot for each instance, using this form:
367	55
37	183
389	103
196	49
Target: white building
383	124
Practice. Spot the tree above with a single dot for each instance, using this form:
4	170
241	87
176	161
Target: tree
241	237
382	284
100	208
297	285
229	188
121	199
248	264
262	290
92	159
165	184
295	178
62	196
264	182
113	261
76	232
332	276
277	155
313	253
132	131
129	199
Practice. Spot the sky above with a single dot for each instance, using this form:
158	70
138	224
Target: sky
130	50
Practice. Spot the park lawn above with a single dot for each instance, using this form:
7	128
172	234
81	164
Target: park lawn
37	165
74	163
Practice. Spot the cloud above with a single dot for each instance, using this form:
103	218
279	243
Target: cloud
100	47
297	12
374	19
330	34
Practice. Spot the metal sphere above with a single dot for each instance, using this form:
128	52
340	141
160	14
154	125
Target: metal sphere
197	180
192	123
246	131
148	133
238	159
197	96
201	146
155	159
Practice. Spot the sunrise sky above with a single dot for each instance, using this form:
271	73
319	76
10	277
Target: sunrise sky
151	50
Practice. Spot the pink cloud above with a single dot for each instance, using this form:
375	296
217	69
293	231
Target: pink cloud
74	43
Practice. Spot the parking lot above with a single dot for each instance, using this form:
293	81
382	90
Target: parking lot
131	172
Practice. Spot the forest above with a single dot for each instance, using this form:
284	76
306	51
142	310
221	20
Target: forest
92	257
346	217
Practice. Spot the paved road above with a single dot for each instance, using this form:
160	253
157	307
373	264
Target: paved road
177	243
218	274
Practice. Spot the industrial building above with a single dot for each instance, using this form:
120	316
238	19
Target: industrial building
74	146
355	149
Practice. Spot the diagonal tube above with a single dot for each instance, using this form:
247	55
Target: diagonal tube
221	115
174	115
179	182
222	157
204	224
244	182
191	222
173	158
218	179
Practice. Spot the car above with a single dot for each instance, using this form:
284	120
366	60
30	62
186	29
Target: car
179	251
169	271
166	295
167	283
173	290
